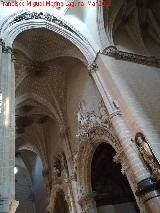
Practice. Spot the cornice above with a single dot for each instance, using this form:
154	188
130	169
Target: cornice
112	51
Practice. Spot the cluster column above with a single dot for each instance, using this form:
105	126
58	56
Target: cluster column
139	177
7	130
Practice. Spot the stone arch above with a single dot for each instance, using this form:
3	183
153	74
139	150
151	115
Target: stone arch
83	161
34	162
24	182
30	147
85	154
11	30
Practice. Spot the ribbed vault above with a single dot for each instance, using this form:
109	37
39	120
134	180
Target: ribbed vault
137	20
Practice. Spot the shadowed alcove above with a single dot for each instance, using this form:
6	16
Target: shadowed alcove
111	187
61	205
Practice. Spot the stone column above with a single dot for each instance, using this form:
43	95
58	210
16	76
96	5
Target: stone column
7	131
72	174
140	177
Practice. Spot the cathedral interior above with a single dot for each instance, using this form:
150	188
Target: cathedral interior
79	107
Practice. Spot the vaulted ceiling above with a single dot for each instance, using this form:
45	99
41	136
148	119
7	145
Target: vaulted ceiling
138	19
43	61
40	45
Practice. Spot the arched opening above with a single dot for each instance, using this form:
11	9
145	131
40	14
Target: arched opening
61	205
51	81
29	183
111	187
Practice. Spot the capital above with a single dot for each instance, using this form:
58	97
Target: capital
92	68
115	114
6	49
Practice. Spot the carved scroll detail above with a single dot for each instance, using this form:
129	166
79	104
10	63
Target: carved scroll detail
112	51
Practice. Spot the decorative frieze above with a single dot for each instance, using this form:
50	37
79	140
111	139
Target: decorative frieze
112	51
43	16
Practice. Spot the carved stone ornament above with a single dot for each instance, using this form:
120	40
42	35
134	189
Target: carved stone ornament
44	16
148	155
120	158
60	172
6	49
112	51
92	68
90	120
13	206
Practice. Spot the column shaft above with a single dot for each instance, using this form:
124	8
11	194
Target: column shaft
7	130
137	168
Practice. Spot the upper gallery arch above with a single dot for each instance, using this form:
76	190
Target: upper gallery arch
26	20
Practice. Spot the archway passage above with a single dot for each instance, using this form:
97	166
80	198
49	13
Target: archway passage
111	187
29	183
61	205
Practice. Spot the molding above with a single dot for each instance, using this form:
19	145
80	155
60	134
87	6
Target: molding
112	51
147	185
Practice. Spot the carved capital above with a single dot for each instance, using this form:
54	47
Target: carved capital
7	49
112	51
92	68
115	114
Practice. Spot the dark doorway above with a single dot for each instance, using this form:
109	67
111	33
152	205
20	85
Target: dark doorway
111	187
61	205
